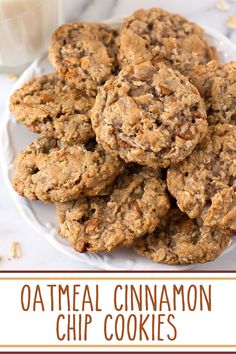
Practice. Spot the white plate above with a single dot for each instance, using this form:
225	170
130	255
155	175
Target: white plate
41	217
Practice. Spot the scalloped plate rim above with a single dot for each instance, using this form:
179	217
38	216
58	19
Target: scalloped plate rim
93	260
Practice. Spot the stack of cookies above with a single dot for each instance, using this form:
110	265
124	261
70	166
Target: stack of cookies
138	138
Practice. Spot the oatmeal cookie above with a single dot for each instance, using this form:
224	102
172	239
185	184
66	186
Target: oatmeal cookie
217	84
84	53
157	35
52	172
47	105
204	184
137	202
180	240
150	115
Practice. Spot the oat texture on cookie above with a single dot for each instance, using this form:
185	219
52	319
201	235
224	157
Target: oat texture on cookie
150	115
180	240
204	184
84	54
216	83
52	172
48	106
157	35
134	206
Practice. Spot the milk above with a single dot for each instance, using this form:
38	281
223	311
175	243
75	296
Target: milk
25	30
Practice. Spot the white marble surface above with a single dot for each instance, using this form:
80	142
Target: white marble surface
36	252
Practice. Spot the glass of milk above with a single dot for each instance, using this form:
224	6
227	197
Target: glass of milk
25	31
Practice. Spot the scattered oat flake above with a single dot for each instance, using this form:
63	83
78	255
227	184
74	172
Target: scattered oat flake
15	251
18	211
12	77
231	22
222	5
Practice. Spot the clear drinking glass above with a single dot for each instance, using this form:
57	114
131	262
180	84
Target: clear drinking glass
25	30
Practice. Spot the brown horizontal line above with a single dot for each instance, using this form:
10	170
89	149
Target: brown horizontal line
157	351
119	278
117	345
119	271
124	352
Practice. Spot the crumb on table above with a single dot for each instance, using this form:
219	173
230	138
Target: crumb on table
15	251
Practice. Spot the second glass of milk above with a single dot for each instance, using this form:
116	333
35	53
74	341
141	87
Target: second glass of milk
25	31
